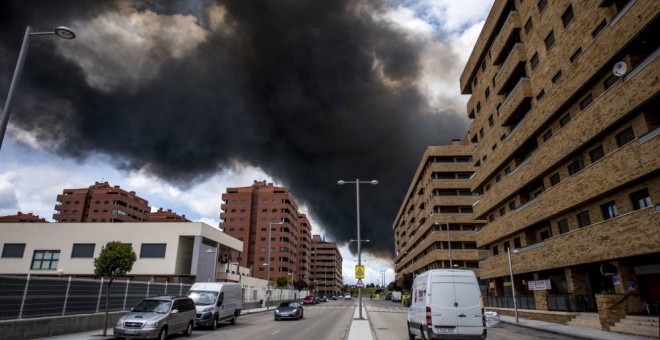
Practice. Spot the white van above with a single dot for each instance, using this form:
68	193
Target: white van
446	303
216	302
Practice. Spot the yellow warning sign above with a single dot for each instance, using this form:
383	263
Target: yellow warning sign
359	272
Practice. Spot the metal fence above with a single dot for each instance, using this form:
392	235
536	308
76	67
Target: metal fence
559	302
523	301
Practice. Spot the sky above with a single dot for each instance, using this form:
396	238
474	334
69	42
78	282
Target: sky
179	100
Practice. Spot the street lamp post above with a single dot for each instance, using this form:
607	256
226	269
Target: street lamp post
270	229
62	32
513	286
357	195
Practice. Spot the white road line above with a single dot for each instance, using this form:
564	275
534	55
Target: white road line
277	331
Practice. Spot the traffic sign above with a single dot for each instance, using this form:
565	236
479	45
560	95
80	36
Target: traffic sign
359	284
359	272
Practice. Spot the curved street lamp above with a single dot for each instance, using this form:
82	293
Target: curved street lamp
62	32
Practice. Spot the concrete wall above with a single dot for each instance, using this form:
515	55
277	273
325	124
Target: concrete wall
51	326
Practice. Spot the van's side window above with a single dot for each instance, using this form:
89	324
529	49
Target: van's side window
221	298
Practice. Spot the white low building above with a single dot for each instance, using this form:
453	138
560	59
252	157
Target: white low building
166	252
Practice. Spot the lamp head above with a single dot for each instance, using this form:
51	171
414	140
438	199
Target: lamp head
374	182
64	32
340	182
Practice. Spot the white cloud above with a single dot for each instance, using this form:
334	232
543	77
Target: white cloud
126	47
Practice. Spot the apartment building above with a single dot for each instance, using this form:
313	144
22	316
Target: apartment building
101	203
326	267
162	215
564	140
22	218
249	212
434	227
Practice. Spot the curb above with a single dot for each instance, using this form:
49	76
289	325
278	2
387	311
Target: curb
576	336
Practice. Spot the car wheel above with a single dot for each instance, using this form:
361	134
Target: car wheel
214	323
410	335
276	319
233	319
163	333
188	330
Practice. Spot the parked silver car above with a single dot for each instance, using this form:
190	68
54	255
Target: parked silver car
156	317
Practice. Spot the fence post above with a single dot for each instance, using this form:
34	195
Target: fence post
66	296
128	281
98	303
165	287
27	283
180	288
148	287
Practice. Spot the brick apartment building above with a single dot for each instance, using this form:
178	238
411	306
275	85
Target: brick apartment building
566	155
101	203
435	218
248	212
22	218
326	267
168	215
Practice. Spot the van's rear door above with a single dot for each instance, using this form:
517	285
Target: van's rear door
468	309
443	311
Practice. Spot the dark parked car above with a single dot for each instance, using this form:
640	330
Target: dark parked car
309	300
289	310
323	299
333	298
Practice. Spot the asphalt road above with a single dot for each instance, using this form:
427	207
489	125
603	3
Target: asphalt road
325	321
388	320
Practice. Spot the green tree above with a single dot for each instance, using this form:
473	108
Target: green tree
311	286
115	260
282	282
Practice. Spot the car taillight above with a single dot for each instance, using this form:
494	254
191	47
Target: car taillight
483	317
429	323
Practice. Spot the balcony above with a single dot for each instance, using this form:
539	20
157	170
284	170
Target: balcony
630	162
510	67
516	105
606	240
508	35
583	127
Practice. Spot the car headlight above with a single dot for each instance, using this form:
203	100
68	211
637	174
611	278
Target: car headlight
120	322
153	324
277	311
207	309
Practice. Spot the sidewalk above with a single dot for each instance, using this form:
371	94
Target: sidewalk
577	332
97	334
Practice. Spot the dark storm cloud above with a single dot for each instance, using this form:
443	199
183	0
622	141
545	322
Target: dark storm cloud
310	91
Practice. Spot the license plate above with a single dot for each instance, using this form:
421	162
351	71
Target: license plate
445	330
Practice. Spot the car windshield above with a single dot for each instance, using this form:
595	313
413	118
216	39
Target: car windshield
288	304
149	306
202	297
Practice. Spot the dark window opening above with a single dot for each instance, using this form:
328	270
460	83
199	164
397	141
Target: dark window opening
153	250
85	250
640	199
599	28
554	179
609	210
550	40
562	226
568	16
596	154
542	4
625	136
584	219
576	165
534	61
564	120
556	77
528	25
13	250
575	54
586	101
547	135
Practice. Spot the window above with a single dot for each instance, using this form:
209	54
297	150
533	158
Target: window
540	95
545	234
576	165
152	250
547	135
554	179
541	5
586	101
498	178
82	250
506	246
609	210
478	106
13	250
564	120
512	205
490	120
556	77
495	251
625	136
534	61
599	28
568	16
528	25
596	153
584	219
481	132
491	217
550	40
262	249
502	211
516	243
45	259
576	54
483	66
494	147
610	81
487	93
640	199
562	226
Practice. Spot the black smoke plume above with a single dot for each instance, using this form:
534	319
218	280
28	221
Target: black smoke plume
310	91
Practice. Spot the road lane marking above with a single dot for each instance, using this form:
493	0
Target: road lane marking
277	331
